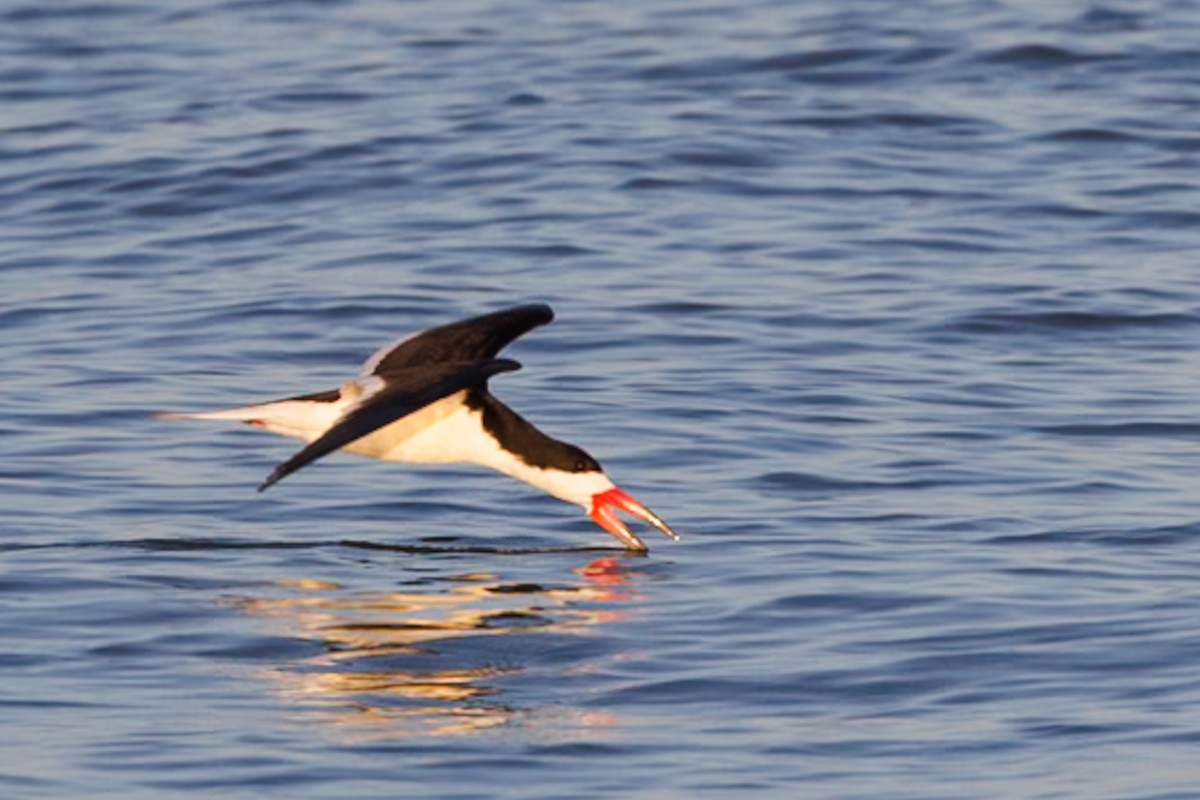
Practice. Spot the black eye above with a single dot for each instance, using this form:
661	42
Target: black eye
578	460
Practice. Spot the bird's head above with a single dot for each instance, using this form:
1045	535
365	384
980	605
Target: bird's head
580	479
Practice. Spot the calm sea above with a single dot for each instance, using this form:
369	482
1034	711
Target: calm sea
891	309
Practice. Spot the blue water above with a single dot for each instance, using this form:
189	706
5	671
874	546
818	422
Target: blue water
892	310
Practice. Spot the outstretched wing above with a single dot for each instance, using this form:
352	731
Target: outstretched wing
472	339
400	393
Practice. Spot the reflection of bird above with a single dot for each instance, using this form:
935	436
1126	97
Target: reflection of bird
385	663
425	400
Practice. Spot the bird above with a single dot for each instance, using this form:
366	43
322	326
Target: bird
425	400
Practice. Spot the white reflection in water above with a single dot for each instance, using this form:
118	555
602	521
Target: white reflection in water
387	670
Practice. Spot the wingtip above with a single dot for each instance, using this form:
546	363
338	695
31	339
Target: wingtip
276	475
497	365
543	312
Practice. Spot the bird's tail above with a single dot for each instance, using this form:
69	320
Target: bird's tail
298	418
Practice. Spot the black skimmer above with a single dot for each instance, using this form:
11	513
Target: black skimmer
425	400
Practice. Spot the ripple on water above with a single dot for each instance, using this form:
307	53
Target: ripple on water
892	315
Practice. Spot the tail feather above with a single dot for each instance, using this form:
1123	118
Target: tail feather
243	414
301	419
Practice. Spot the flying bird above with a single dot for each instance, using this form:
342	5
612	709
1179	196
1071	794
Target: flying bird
425	400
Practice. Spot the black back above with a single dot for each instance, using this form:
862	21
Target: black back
475	339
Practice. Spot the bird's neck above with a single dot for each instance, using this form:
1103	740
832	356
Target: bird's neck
527	454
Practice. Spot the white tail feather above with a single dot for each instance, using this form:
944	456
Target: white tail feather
296	418
246	414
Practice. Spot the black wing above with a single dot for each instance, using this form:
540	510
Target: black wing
404	392
472	339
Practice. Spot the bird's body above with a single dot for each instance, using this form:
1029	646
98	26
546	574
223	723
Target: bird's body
443	432
425	400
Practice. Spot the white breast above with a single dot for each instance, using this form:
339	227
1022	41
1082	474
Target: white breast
443	432
448	432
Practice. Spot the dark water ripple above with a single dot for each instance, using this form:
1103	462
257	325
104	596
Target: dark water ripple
890	309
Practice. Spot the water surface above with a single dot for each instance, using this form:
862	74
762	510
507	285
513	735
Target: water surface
890	310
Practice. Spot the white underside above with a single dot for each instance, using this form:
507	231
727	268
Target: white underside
444	432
